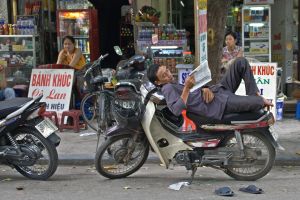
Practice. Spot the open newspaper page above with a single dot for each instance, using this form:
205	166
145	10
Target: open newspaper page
202	75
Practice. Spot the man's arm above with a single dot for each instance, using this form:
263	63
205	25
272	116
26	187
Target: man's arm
174	101
189	83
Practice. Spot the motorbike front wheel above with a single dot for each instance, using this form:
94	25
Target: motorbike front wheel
121	156
258	160
41	159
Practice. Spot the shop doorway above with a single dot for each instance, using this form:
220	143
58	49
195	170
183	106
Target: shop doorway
181	14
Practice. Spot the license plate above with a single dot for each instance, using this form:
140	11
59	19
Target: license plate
128	104
273	133
46	127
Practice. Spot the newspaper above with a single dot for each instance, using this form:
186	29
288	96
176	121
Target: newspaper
202	75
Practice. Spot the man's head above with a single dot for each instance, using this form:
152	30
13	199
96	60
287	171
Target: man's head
159	74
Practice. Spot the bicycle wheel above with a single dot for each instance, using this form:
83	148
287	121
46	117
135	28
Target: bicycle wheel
90	109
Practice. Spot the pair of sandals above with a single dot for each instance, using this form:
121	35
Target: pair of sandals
226	191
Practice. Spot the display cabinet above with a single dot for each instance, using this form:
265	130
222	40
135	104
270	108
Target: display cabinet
19	54
19	50
169	56
256	31
82	24
149	34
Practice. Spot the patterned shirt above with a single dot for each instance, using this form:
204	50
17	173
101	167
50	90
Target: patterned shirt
229	55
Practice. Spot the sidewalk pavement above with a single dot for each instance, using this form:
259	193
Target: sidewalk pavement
80	150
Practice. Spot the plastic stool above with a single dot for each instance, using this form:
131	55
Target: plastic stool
76	124
51	115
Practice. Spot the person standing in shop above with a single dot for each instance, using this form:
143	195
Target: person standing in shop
70	55
230	51
6	93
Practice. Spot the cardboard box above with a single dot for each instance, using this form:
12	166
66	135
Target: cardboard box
2	74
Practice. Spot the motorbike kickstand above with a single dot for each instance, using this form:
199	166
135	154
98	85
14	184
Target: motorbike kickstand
194	169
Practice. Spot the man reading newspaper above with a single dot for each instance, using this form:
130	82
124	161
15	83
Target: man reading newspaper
210	101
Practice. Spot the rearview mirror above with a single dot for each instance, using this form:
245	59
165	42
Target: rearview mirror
118	50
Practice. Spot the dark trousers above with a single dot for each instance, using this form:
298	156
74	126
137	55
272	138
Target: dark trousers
238	71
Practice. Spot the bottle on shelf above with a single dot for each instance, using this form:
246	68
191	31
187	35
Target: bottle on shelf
2	20
163	34
1	30
10	29
5	29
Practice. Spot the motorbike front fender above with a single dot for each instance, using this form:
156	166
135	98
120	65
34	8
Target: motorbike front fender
54	139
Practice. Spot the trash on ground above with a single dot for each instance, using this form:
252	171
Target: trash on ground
126	187
87	134
177	186
20	188
6	179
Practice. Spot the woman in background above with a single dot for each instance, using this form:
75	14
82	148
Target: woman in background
70	55
231	50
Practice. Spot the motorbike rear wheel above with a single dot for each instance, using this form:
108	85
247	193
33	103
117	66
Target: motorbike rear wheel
255	166
42	154
121	156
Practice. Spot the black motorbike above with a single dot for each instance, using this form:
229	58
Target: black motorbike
96	105
27	141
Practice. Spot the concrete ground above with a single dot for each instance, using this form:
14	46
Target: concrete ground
80	150
150	182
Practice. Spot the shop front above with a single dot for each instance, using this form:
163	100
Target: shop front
31	33
26	34
171	32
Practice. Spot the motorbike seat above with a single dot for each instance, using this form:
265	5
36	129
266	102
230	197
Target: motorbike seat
229	118
99	80
9	106
131	82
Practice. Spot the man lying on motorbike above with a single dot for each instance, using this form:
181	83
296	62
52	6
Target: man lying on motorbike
210	101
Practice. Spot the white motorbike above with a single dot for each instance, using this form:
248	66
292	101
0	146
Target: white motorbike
241	145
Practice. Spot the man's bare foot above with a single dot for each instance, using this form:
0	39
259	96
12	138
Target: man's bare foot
267	102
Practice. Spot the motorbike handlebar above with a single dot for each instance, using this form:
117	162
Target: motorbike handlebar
95	63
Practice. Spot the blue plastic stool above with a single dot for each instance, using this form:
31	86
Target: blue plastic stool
298	110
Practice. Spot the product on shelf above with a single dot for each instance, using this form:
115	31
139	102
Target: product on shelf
167	35
256	32
127	39
167	56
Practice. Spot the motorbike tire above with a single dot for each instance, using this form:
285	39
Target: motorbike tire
51	149
106	146
267	167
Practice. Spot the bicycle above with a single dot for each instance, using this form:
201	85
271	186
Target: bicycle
95	106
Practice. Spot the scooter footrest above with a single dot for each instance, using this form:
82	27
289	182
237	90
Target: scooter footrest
214	159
